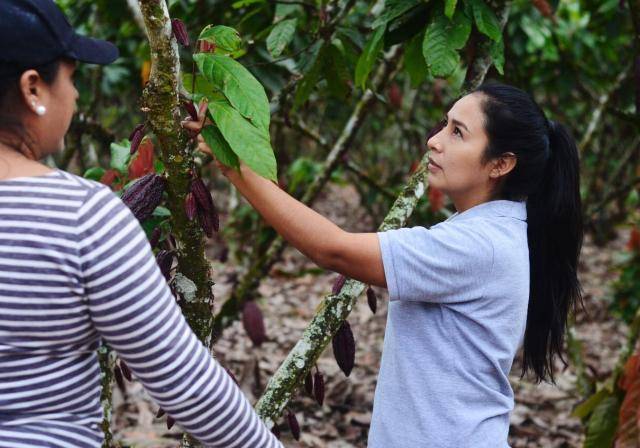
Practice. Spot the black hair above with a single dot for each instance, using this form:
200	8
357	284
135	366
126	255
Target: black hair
547	176
10	99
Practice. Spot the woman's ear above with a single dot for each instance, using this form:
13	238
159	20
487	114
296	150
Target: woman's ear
503	165
32	90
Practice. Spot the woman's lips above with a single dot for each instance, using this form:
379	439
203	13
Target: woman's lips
433	164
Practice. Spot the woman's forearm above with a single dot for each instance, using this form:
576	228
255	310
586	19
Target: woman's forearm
306	230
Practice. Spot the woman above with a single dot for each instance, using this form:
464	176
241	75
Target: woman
467	292
75	267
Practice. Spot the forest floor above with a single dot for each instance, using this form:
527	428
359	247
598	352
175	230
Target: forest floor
292	292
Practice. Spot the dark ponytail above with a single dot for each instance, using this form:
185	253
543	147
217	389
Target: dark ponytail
547	176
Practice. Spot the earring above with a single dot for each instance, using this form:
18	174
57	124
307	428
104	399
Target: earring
41	110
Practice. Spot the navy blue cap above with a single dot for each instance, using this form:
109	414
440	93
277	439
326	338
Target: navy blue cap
36	32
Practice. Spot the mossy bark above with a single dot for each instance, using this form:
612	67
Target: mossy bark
335	308
161	103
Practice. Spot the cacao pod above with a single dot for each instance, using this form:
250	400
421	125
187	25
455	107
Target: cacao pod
190	206
338	284
180	32
372	300
544	7
170	422
155	237
253	323
136	137
144	195
275	430
164	258
117	374
308	383
207	213
344	348
126	372
293	424
634	240
191	110
318	387
160	413
395	96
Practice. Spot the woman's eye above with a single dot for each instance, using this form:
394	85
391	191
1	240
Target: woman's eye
457	129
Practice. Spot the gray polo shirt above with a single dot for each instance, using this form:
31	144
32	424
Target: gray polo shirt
458	306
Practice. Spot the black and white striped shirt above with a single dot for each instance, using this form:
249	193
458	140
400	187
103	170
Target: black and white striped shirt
75	267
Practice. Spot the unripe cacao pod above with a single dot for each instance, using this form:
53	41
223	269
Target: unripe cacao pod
126	372
117	374
372	300
308	383
155	237
144	195
338	284
190	206
180	32
164	258
344	348
293	424
253	323
170	422
207	213
160	413
191	110
318	387
136	137
395	96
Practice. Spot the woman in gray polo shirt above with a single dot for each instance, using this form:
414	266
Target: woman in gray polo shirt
468	292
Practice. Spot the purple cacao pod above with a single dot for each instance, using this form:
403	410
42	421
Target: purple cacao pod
164	258
293	425
190	206
308	383
155	237
160	413
318	387
126	372
344	348
144	195
191	110
136	137
253	323
180	32
170	422
372	300
338	284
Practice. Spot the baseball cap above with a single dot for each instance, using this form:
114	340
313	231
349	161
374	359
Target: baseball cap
36	32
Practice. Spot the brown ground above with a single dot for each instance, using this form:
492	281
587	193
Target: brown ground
541	417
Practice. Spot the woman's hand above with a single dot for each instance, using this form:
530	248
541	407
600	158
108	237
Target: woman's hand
194	127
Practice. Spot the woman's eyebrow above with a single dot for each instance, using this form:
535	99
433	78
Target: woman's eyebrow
459	123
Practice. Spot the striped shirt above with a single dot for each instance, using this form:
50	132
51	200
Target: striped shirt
76	267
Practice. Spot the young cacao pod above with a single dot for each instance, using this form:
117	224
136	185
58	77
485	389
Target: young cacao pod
207	213
191	110
372	300
344	348
395	96
276	431
126	372
136	137
170	422
160	413
318	387
190	206
338	284
180	32
308	383
155	237
144	195
253	323
293	424
117	374
164	258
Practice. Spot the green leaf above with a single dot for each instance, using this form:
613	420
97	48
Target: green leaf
486	20
586	407
414	62
442	39
226	39
449	7
220	147
242	90
120	155
496	51
94	173
280	36
311	78
336	72
369	55
249	143
602	425
393	9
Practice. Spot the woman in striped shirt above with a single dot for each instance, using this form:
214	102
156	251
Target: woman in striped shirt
76	267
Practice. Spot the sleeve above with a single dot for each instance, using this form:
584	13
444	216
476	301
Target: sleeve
447	263
133	309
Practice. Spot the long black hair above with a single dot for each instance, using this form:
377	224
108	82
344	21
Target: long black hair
547	176
12	131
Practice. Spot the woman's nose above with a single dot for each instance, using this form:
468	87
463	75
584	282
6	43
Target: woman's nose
433	144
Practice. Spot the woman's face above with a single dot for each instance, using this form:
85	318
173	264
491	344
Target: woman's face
59	99
457	150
